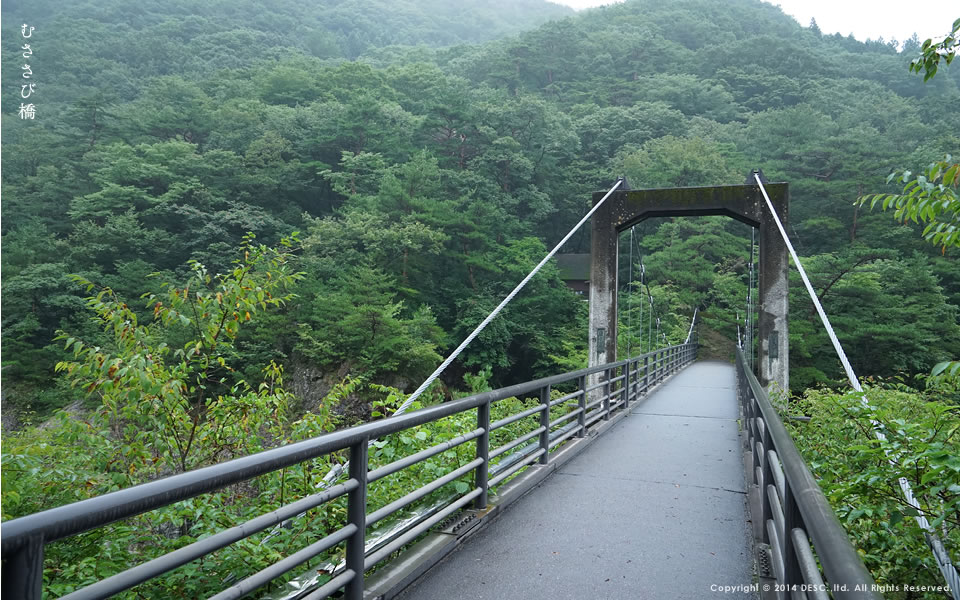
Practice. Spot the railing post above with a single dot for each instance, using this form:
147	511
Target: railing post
483	452
23	572
357	515
646	373
607	390
545	423
626	385
582	405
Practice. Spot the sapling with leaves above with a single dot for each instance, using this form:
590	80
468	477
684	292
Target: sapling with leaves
174	409
930	197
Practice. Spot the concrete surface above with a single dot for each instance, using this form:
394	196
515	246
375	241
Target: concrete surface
656	508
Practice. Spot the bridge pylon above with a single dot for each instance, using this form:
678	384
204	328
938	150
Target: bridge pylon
744	203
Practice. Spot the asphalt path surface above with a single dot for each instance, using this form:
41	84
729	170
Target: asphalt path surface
655	508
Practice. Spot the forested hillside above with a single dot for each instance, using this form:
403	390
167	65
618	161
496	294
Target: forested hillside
327	196
426	180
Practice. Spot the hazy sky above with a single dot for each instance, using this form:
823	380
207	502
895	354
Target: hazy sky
892	19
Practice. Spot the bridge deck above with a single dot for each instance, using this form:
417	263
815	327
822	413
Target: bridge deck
656	508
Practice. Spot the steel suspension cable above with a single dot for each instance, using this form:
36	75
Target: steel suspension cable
692	322
630	297
336	470
453	355
940	553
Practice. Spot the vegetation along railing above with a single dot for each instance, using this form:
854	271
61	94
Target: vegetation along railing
23	539
794	510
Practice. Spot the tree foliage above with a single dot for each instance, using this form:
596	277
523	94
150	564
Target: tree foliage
429	166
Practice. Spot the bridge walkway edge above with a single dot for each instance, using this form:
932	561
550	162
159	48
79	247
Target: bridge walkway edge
568	540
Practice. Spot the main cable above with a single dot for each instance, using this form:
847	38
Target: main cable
336	470
423	386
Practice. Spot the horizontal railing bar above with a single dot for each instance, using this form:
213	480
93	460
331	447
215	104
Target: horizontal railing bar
170	561
615	379
565	417
65	521
590	388
412	534
594	416
808	564
422	491
564	437
399	465
522	453
516	442
563	399
777	471
514	418
840	561
776	510
332	586
597	402
775	552
279	568
513	469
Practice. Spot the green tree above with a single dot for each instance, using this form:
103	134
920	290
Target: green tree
176	408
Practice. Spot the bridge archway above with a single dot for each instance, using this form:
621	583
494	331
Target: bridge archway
745	203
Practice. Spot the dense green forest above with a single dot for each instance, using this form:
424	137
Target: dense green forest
427	154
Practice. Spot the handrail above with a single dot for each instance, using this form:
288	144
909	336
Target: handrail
794	507
23	539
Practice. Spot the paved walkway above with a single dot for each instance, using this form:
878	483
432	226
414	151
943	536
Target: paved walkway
655	508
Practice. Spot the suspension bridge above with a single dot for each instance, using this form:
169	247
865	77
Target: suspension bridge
654	476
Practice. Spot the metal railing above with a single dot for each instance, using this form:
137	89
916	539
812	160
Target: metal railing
622	382
794	510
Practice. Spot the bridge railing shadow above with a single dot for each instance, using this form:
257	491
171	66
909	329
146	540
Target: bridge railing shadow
561	415
792	511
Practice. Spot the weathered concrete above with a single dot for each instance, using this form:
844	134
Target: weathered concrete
742	202
774	306
655	508
603	290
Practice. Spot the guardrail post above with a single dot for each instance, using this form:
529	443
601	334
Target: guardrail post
607	390
646	373
483	451
582	405
357	515
545	423
626	385
23	572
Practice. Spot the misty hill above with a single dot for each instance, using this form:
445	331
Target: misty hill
167	130
86	43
